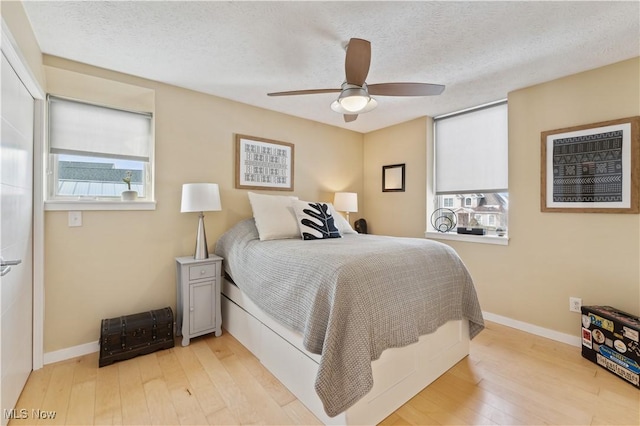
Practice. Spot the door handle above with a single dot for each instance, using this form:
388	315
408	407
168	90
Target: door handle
5	265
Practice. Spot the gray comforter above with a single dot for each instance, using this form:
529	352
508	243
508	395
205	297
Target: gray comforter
351	297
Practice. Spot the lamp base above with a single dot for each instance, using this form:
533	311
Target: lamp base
201	241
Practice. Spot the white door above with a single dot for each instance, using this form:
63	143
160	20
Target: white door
16	237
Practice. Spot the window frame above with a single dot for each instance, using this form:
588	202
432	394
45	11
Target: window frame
431	232
54	202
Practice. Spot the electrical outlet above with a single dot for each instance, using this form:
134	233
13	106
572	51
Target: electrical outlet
575	303
75	219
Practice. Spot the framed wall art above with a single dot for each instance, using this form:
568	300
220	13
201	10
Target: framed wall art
592	168
264	164
393	178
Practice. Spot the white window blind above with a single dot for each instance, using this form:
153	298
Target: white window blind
472	151
78	128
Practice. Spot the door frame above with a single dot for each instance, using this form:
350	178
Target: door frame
12	52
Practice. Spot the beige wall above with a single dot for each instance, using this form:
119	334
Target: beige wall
396	213
550	256
122	262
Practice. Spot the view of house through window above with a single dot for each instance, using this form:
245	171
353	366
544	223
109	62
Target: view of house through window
486	210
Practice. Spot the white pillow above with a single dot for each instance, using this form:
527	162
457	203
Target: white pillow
274	216
315	220
341	223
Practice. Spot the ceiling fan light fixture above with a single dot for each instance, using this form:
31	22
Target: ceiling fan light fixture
354	100
336	106
354	103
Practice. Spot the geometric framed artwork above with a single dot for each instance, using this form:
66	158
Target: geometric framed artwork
592	168
393	178
264	164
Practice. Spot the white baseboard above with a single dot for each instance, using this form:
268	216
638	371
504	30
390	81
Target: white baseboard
534	329
87	348
72	352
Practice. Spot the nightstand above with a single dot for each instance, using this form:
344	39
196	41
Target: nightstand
198	297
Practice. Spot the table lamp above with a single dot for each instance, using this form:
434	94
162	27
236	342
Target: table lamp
200	197
346	202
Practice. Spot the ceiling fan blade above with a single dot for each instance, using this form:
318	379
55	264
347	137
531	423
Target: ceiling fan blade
304	92
405	89
350	117
357	62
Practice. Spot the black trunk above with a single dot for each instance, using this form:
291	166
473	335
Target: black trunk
137	334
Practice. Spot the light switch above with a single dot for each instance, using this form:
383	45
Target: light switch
75	219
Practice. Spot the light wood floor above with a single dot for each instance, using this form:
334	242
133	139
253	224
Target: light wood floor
510	378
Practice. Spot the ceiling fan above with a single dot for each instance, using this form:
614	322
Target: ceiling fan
355	94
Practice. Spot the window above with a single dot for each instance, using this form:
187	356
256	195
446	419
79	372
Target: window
471	166
93	148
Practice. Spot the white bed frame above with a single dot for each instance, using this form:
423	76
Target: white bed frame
399	374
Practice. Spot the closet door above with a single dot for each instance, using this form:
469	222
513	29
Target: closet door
16	236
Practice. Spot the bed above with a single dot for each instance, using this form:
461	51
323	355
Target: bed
354	326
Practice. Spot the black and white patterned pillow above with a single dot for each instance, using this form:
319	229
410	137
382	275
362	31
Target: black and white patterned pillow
315	220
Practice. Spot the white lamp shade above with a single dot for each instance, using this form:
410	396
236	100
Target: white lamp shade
200	197
346	201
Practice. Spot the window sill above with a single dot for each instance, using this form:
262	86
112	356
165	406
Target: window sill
98	205
482	239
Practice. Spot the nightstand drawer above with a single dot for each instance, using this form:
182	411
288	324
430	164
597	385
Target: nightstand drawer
202	271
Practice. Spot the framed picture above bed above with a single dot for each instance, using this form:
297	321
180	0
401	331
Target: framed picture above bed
592	168
264	164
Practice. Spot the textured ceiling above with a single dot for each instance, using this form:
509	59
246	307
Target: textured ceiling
243	50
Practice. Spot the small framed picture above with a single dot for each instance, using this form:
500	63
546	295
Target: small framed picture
393	178
264	164
592	168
